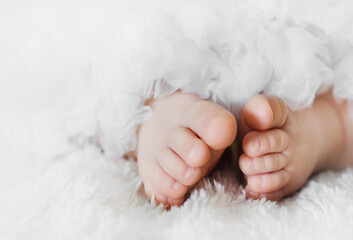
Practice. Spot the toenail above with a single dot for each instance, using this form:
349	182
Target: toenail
193	152
258	143
158	197
172	201
251	161
177	185
250	193
256	181
188	172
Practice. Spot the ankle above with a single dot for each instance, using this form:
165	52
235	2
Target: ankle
332	132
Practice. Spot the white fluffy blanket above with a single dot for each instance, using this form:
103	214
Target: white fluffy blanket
82	195
72	71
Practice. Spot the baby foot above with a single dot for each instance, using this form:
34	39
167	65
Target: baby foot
282	149
181	143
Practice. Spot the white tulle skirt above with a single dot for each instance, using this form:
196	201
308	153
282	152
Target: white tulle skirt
89	66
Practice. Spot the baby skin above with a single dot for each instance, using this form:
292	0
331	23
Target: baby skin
282	149
181	142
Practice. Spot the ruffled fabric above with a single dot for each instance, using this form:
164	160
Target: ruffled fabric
91	65
331	20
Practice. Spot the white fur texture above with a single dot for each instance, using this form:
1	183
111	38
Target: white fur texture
82	195
74	71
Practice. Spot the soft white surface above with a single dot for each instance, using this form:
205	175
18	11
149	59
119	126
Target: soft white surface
74	71
82	195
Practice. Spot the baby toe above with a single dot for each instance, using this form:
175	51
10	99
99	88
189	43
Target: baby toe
153	195
270	182
263	112
188	146
176	168
272	196
215	125
166	185
259	143
176	202
264	164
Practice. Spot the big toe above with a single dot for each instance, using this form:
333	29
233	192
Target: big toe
215	125
263	112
